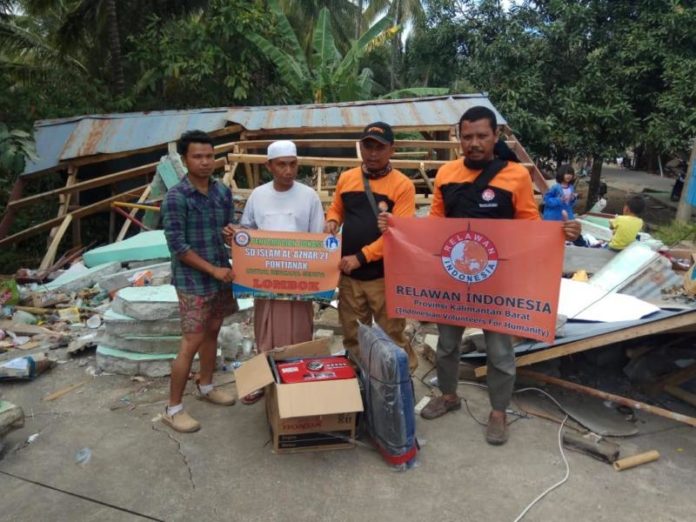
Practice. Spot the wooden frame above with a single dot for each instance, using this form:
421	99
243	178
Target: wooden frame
665	325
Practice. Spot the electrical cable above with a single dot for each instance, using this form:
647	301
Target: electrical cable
560	443
557	484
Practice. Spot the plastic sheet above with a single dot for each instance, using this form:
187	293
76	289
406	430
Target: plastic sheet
388	397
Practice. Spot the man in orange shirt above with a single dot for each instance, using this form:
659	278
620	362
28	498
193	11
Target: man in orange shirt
361	194
481	186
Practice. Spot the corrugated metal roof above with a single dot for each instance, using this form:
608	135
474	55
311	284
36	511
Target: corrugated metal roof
50	141
82	136
122	133
414	112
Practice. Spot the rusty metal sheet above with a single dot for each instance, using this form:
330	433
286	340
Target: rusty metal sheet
112	134
83	136
414	112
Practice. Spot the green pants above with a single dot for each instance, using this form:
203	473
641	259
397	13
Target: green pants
500	362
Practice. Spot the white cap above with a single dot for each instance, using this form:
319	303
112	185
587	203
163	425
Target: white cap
282	149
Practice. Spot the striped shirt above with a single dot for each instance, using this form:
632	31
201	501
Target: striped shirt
194	221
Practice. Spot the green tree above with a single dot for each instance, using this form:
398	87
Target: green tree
203	59
325	75
303	16
16	146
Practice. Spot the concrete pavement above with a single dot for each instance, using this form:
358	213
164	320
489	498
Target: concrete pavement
227	471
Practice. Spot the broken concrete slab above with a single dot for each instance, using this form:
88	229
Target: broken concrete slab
161	275
11	417
122	362
142	344
591	260
117	324
327	319
146	245
147	262
148	303
77	280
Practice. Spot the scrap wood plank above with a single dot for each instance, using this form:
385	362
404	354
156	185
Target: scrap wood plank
64	391
50	256
680	393
126	225
679	377
56	234
24	329
598	341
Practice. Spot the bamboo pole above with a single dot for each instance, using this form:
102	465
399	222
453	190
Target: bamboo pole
618	399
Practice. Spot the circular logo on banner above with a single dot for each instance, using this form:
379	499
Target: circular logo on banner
242	239
488	195
469	257
331	243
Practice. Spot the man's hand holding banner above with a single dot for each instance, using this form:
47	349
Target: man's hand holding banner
499	275
285	265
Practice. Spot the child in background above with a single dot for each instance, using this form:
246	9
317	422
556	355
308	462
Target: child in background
626	227
561	196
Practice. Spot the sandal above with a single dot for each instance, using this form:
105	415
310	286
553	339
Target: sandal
253	397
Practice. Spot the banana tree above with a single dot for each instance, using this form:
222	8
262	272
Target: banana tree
325	75
16	147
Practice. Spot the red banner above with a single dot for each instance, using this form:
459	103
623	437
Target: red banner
499	275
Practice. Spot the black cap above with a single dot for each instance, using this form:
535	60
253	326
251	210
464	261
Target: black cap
379	131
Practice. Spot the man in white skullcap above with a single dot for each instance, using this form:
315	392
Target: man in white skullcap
286	206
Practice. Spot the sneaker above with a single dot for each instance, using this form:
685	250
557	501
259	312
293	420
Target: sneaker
438	406
497	430
181	422
218	397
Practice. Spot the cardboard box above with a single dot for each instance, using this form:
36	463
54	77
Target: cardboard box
307	416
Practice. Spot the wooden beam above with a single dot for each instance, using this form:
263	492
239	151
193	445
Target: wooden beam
678	377
96	182
126	225
679	393
336	144
641	330
79	213
88	184
62	211
618	399
258	159
228	178
9	214
424	175
50	256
